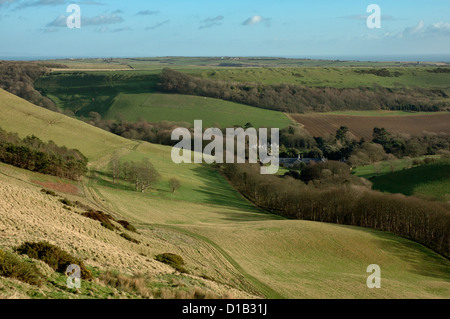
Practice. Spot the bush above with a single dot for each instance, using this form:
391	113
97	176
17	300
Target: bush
129	238
48	192
12	267
103	218
172	260
53	256
66	202
127	226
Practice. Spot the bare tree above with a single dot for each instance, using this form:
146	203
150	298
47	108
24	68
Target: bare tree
114	167
174	184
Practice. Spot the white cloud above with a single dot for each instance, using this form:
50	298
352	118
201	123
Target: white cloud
100	20
415	30
439	29
255	20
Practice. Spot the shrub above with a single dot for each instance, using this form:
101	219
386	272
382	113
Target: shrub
53	256
127	226
172	260
129	238
174	184
12	267
48	192
66	202
103	218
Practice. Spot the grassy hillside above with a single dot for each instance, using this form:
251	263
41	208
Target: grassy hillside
17	115
219	234
156	107
131	96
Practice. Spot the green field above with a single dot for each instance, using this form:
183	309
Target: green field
385	167
132	96
331	77
223	237
157	107
430	180
223	62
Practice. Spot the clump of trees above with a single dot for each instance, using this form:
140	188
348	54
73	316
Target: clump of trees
379	72
18	78
329	195
299	99
142	174
158	133
413	146
33	154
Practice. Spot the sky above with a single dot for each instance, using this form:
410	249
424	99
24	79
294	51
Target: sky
282	28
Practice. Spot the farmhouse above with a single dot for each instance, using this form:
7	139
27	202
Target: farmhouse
292	162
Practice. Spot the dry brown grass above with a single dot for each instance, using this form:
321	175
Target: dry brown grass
136	284
27	214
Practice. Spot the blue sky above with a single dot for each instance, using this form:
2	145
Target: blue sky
223	28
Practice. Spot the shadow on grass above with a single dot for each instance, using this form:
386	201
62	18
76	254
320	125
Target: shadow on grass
105	180
219	192
406	181
424	261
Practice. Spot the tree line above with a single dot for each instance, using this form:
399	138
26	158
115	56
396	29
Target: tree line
295	140
299	99
18	78
33	154
327	194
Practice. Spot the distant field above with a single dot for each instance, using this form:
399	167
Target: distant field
225	62
131	95
382	168
342	77
156	107
431	180
362	126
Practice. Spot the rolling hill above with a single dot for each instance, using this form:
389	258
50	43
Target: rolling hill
157	107
131	96
228	244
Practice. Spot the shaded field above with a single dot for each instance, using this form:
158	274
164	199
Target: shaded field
431	180
156	107
362	126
